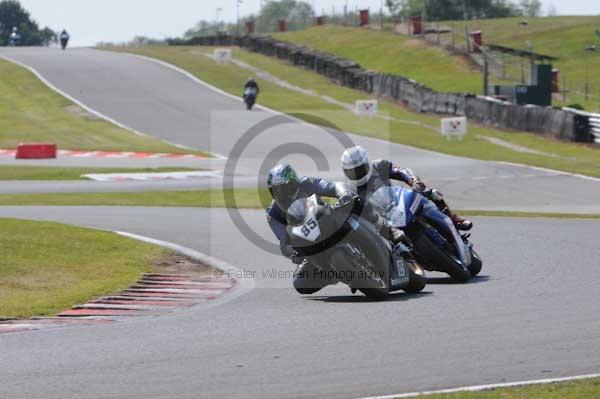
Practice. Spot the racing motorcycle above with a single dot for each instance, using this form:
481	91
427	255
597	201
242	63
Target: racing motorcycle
436	243
349	249
250	97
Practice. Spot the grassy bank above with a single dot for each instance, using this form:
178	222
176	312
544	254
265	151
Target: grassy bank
581	389
564	37
48	267
244	198
398	54
405	127
54	173
31	112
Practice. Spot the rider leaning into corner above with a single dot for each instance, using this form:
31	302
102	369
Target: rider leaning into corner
365	178
286	187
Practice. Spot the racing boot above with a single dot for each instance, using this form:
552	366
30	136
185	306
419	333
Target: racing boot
391	234
459	222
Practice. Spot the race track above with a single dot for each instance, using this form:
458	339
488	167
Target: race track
532	314
165	103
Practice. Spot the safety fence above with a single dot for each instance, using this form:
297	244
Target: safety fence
561	123
593	123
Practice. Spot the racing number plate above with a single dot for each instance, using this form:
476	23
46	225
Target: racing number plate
309	230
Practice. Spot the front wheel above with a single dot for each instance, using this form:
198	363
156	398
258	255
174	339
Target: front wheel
438	259
476	263
417	280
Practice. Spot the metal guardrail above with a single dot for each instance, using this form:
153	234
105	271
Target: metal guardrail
595	126
594	122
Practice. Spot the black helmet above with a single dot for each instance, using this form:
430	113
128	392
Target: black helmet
284	184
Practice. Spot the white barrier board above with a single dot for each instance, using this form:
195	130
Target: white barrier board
454	127
366	108
222	55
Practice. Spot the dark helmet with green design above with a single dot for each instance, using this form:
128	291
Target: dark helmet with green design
284	184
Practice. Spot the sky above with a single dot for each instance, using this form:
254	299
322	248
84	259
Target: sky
92	21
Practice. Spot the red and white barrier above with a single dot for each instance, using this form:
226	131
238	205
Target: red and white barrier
108	154
36	151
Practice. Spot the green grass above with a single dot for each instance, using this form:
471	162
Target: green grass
48	267
402	129
581	389
31	112
244	198
56	173
564	37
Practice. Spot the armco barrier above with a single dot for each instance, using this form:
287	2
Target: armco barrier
36	151
562	123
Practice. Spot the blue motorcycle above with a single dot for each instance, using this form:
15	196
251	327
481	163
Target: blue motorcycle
437	245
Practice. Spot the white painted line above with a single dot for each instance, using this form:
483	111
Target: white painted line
477	388
117	307
104	177
551	172
89	109
157	298
178	291
159	283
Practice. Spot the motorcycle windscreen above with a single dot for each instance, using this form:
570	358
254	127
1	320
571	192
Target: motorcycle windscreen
301	216
396	204
250	91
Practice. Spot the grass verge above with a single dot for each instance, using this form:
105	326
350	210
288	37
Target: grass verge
48	267
54	173
31	112
244	198
580	389
405	127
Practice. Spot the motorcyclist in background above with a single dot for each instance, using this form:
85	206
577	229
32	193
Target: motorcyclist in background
64	38
365	177
252	84
285	187
14	37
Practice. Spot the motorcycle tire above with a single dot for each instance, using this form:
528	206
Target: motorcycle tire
440	260
417	280
476	263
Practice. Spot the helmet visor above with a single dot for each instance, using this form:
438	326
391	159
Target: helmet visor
357	173
285	194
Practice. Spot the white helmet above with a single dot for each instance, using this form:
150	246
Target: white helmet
356	165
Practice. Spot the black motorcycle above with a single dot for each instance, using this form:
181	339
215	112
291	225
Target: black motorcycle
349	249
250	94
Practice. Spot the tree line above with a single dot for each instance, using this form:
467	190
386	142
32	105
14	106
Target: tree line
13	15
443	10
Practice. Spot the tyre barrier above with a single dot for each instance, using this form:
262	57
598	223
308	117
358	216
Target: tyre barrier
561	123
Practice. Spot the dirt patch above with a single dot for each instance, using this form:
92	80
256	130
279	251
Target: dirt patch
178	264
82	113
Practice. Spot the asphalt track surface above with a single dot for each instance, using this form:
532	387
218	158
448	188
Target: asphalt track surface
532	314
165	103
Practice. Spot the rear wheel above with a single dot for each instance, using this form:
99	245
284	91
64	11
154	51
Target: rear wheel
440	260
